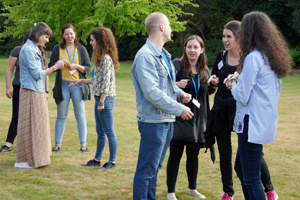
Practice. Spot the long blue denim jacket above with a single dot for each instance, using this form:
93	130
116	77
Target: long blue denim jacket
156	93
32	72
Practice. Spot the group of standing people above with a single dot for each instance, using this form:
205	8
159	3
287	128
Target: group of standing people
172	101
247	76
71	63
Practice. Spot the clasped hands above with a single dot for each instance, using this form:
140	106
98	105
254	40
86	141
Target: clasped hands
230	79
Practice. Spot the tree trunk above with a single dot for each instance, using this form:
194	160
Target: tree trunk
196	28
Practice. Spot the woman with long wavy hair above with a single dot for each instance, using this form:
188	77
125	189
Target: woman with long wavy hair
105	56
264	62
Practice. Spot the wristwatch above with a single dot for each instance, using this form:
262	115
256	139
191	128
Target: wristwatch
54	68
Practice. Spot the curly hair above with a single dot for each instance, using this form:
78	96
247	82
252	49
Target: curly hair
201	62
258	31
63	28
106	44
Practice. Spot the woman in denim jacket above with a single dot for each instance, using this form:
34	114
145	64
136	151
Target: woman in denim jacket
34	142
105	55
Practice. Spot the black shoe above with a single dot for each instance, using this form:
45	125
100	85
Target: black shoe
56	149
92	163
6	149
108	165
84	149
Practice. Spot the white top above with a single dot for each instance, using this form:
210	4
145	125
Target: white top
256	95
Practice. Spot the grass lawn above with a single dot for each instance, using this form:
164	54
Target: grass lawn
65	179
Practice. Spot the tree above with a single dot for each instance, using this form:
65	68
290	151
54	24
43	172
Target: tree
280	12
123	17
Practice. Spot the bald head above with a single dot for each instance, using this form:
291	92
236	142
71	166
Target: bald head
154	20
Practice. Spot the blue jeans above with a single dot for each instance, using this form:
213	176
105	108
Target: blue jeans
248	165
105	127
155	139
74	92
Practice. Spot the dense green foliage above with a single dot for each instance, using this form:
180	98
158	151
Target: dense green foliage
125	18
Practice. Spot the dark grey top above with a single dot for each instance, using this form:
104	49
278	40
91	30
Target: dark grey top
84	60
15	53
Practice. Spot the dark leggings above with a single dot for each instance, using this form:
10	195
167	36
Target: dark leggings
225	152
12	131
176	152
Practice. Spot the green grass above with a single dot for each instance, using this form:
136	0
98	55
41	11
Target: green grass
65	179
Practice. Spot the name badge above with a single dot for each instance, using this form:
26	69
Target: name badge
196	103
220	64
72	71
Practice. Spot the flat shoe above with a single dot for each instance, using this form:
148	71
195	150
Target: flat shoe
201	196
171	198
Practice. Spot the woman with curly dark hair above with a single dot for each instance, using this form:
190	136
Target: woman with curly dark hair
105	55
256	93
192	76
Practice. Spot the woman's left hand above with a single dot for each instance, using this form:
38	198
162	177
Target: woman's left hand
100	108
72	66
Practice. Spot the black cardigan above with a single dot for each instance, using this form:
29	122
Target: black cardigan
84	61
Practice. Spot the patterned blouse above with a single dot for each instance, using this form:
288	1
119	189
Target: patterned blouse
104	78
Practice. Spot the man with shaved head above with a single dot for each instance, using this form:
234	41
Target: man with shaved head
153	77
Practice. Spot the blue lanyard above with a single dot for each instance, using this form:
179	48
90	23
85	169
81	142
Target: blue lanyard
93	71
73	55
168	63
196	91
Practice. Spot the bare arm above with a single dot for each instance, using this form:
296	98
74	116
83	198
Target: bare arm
9	71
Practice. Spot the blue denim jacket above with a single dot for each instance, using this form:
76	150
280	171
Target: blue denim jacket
32	72
156	93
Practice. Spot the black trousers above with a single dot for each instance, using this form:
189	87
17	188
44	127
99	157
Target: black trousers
225	152
176	152
12	131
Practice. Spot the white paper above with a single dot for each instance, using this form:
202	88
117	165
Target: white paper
220	64
72	71
196	102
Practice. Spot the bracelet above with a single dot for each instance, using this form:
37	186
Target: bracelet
47	92
233	80
101	104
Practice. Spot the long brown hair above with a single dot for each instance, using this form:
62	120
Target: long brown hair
258	31
106	44
201	62
38	30
63	28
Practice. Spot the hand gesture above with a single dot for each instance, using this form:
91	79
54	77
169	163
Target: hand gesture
186	113
182	83
185	97
59	64
75	82
72	66
213	79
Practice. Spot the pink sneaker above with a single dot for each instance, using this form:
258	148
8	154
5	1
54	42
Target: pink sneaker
272	195
226	197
